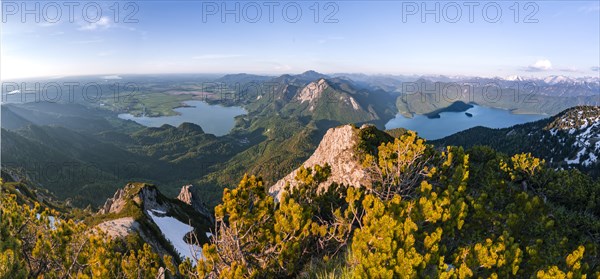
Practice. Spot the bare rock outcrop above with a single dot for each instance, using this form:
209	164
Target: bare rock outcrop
119	228
135	198
114	204
312	91
148	197
337	148
141	194
188	196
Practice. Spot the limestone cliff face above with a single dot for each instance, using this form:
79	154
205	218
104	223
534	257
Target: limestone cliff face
188	196
185	195
312	91
139	205
144	195
141	194
337	148
114	204
119	228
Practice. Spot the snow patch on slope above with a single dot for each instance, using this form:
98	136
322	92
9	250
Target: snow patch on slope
585	127
51	220
577	159
175	232
593	159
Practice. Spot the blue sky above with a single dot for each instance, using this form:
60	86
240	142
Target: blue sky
373	37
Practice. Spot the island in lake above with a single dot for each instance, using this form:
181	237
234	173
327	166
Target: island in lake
458	106
450	122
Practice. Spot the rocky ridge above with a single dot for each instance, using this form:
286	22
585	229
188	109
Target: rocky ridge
582	123
146	196
337	148
188	196
141	209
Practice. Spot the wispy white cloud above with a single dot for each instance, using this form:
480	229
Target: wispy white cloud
540	66
47	24
570	70
85	42
103	23
215	56
331	38
593	7
105	53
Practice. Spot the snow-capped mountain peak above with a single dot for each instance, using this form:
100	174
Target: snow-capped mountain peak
557	79
514	78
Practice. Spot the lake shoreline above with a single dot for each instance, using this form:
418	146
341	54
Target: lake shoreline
450	122
517	111
213	118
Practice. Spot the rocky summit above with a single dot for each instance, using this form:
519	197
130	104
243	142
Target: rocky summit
188	196
338	150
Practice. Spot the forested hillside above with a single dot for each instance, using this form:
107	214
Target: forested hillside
571	139
83	152
448	213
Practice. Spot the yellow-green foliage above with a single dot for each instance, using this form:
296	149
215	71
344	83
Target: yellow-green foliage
401	237
463	220
522	166
256	237
34	243
397	166
384	245
573	267
244	235
429	214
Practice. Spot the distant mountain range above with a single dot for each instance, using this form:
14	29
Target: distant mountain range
287	118
316	136
427	94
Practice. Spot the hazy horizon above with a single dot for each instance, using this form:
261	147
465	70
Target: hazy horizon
117	76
